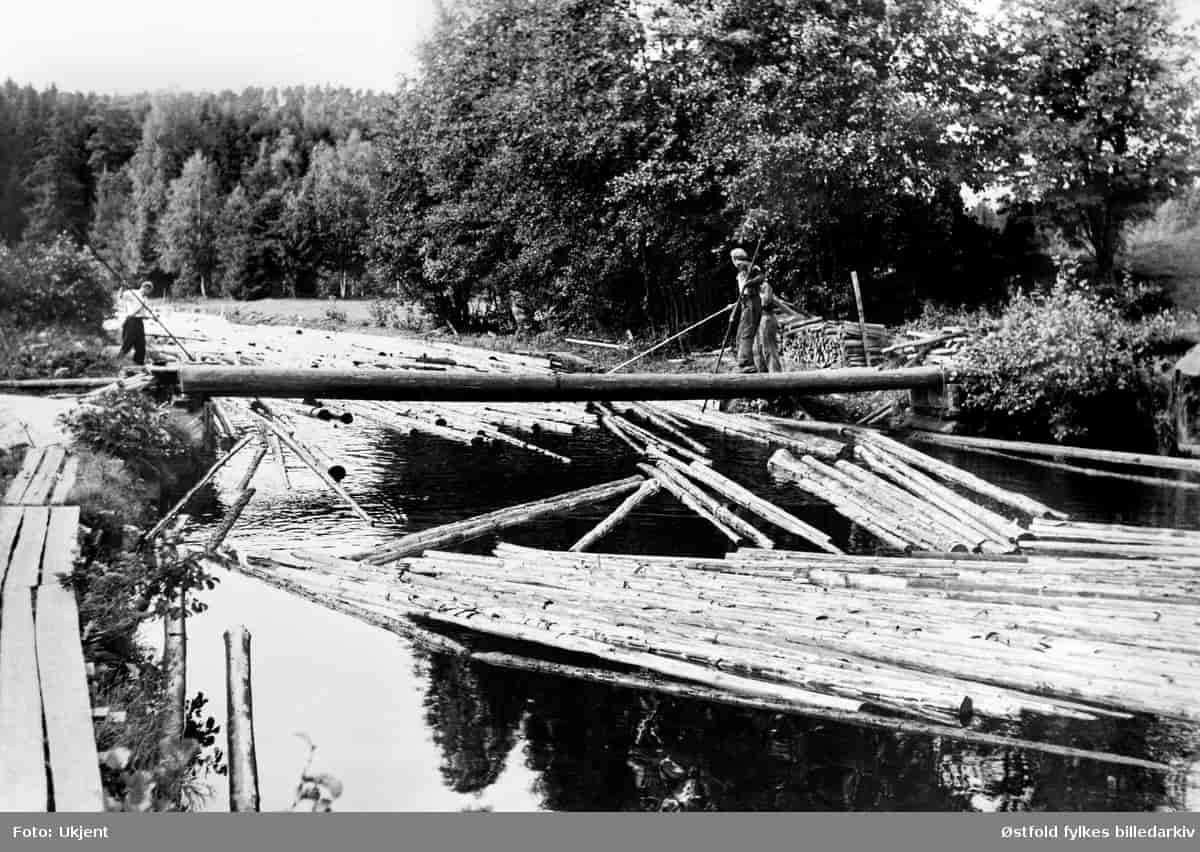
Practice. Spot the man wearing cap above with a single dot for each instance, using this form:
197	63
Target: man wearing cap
749	278
133	332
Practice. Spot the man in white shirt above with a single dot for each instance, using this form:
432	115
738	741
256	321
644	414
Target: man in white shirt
133	333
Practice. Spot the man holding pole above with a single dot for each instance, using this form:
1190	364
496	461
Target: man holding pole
133	331
749	279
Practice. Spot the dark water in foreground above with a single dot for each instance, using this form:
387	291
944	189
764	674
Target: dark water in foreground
405	730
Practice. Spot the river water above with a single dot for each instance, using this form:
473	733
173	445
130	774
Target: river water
404	730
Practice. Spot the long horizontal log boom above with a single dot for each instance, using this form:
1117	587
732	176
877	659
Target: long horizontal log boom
290	383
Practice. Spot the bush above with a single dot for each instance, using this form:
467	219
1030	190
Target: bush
1067	366
129	425
56	283
397	313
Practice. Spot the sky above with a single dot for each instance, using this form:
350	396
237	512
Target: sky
125	46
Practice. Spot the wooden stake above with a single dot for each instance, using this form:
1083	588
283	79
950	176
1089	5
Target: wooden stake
243	762
862	319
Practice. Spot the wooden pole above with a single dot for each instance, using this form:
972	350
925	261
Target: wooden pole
1058	451
862	319
445	534
647	489
204	480
675	336
175	668
239	722
292	383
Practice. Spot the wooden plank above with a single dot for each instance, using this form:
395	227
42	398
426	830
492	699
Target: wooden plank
66	481
62	543
16	488
23	784
38	492
26	562
66	705
10	522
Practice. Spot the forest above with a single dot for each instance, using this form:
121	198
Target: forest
593	161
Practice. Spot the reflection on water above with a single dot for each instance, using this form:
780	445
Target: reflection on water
596	748
469	736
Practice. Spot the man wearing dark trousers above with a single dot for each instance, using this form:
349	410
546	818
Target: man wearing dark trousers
133	331
749	277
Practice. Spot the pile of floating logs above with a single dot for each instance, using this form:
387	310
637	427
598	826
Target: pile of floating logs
818	630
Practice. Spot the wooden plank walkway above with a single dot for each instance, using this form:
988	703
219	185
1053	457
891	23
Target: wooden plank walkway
46	477
47	743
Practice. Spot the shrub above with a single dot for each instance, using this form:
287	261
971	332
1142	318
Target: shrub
397	313
129	425
1065	365
54	283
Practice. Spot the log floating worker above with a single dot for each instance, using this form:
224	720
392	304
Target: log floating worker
749	278
132	305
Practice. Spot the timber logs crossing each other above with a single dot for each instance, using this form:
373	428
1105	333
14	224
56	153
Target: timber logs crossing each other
218	381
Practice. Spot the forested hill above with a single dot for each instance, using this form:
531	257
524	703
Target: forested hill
596	160
237	193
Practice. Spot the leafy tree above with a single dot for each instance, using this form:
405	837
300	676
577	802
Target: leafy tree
1100	105
234	243
111	215
189	226
334	202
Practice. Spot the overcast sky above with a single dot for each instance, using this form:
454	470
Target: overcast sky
136	45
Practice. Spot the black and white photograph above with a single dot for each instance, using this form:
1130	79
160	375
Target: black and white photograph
614	406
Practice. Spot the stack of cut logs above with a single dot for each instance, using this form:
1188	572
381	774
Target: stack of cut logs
823	343
915	348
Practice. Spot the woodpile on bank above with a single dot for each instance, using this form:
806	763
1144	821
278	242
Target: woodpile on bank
815	344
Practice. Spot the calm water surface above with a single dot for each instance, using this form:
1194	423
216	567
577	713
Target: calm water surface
408	731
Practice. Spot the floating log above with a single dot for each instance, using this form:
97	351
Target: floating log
741	427
206	380
488	432
647	489
651	441
763	508
996	533
231	518
483	524
1026	505
204	480
239	723
728	524
287	440
611	425
665	424
277	454
1059	451
1156	481
255	461
784	464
